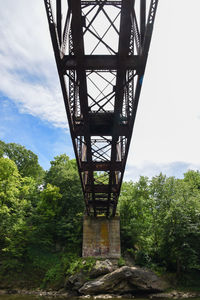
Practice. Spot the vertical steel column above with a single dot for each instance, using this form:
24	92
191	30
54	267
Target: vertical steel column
142	19
59	20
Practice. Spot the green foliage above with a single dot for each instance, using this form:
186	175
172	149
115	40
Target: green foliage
73	263
160	221
68	264
12	209
54	276
142	258
134	214
64	174
25	160
121	262
41	219
49	203
38	223
2	148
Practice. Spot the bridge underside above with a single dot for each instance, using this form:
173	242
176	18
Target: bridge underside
101	50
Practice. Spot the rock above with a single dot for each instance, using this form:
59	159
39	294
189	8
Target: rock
174	295
66	295
128	296
77	280
161	295
185	296
61	291
129	261
74	282
124	280
106	296
12	291
101	268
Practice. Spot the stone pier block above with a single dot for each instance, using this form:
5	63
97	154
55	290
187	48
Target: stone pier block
101	237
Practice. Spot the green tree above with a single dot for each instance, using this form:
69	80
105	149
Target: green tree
63	173
193	179
135	216
161	191
181	235
2	148
13	210
45	217
160	221
26	160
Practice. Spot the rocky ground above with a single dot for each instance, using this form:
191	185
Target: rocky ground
106	280
64	294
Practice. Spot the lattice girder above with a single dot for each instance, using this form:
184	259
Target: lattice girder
101	49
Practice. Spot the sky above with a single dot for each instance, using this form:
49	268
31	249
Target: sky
166	132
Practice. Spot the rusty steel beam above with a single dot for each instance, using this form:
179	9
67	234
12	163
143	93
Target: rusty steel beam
101	166
101	188
101	62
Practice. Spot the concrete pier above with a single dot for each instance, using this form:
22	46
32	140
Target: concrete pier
101	237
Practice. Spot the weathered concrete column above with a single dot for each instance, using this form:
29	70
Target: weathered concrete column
101	237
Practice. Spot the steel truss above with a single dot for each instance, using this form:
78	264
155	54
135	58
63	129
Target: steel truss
101	51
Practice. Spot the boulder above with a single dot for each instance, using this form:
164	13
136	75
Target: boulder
101	267
175	295
74	282
124	280
106	296
3	292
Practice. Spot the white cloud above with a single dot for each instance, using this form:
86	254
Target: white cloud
167	123
28	73
150	169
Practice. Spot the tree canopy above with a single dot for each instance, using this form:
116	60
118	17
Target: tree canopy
25	160
160	221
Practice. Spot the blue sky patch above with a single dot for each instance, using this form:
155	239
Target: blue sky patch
41	137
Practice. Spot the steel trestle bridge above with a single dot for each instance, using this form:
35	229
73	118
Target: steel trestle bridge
101	49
